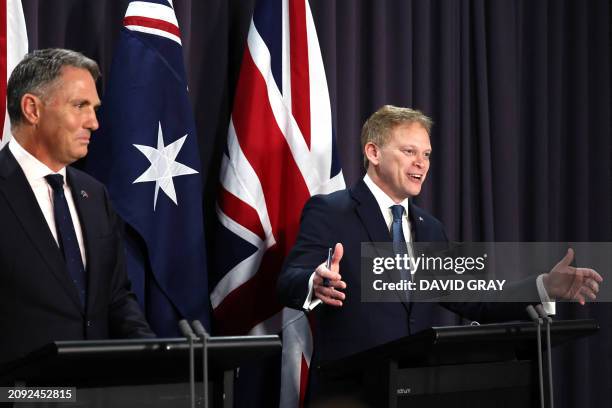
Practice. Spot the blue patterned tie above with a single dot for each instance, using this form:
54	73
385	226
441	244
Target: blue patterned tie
67	236
399	241
397	232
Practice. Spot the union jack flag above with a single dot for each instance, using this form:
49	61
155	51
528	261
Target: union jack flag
13	46
280	151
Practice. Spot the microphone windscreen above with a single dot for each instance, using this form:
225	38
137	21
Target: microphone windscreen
186	328
199	328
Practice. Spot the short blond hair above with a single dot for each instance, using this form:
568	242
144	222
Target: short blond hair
377	129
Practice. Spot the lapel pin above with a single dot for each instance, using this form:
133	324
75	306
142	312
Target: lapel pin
84	194
420	218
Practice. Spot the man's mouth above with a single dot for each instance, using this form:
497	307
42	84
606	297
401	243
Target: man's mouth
416	177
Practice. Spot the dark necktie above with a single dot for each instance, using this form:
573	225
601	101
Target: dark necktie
399	241
397	232
67	236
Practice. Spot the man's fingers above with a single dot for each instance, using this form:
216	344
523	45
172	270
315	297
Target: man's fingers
337	284
574	288
590	288
592	285
322	272
326	273
590	293
331	301
338	252
592	273
329	295
334	280
569	282
567	259
328	282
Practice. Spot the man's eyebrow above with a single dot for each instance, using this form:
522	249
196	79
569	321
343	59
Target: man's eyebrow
414	146
87	102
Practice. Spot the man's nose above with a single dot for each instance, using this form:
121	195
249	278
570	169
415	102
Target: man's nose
92	121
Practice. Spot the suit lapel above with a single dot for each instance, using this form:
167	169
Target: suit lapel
373	221
87	214
423	230
21	199
369	213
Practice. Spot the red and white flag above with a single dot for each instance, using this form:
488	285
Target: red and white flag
280	151
13	46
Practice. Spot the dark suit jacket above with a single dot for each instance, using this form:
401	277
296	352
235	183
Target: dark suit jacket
38	301
350	217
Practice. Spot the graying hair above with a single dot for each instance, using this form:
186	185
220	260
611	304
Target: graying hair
38	71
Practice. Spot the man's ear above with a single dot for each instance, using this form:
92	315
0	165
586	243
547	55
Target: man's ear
30	108
372	152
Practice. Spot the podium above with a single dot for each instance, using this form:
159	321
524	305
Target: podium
137	373
488	365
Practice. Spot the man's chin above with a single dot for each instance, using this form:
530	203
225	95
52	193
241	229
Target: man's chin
79	154
413	192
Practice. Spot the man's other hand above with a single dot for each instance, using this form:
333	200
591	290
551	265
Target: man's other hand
568	282
330	294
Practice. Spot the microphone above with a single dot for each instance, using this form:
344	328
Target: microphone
533	315
187	332
548	321
201	332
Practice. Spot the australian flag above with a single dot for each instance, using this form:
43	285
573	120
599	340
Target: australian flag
146	152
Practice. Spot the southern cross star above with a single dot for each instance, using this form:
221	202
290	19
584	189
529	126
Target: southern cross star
163	166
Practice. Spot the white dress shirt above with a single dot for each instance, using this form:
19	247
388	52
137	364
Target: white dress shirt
35	172
384	203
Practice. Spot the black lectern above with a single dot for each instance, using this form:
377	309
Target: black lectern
137	373
456	366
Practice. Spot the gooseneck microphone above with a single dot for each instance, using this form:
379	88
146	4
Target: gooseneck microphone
533	315
547	323
190	335
201	332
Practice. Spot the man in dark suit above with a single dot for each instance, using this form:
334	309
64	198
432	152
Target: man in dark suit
396	149
62	273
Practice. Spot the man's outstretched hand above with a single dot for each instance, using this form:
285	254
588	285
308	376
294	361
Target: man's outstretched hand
568	282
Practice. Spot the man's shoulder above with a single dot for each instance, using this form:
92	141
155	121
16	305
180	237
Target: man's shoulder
424	219
7	161
336	200
82	179
419	212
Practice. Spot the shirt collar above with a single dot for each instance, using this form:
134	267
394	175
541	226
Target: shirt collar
384	201
33	168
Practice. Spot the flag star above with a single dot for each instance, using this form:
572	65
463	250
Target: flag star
163	166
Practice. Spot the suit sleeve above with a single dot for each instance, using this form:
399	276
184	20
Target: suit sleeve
502	309
310	250
497	309
126	319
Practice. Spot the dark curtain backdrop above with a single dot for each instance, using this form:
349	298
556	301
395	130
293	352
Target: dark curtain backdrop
519	92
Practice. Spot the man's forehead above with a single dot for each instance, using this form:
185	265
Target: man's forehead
71	69
411	126
76	82
411	133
